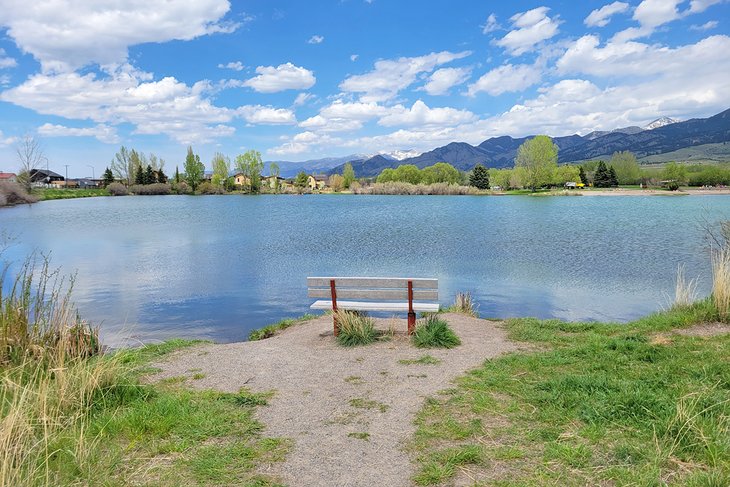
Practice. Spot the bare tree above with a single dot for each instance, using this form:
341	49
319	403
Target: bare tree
31	157
122	167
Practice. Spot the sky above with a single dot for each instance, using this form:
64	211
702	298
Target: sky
303	80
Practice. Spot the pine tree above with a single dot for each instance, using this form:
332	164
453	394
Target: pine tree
149	175
108	177
582	175
177	175
602	178
612	177
479	177
138	175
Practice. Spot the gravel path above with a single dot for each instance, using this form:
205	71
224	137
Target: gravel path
328	397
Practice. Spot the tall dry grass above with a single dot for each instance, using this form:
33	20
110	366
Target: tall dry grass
721	282
399	188
50	378
685	290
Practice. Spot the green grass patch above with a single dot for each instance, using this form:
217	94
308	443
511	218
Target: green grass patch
359	435
63	194
355	329
422	360
271	330
435	332
597	404
361	403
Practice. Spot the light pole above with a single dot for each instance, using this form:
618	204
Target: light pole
65	182
92	171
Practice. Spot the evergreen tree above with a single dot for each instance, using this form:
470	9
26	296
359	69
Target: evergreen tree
177	175
582	175
107	178
160	176
479	177
613	178
602	178
138	175
301	180
149	175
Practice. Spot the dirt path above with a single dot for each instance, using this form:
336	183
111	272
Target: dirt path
349	411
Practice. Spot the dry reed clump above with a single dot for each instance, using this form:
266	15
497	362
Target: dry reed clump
49	379
117	189
150	189
14	194
685	291
398	188
464	303
721	282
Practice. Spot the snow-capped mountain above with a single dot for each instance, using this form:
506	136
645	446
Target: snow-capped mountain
399	155
660	122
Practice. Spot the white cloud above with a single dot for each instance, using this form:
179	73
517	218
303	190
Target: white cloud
442	80
315	39
353	57
697	6
257	114
102	132
421	115
67	34
602	16
302	98
529	29
272	79
393	75
491	24
322	124
353	110
234	65
6	61
506	78
7	141
710	24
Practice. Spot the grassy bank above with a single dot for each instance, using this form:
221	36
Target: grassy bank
592	404
62	194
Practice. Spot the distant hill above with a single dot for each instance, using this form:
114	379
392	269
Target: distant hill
664	135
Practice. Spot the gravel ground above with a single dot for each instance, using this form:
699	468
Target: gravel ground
328	397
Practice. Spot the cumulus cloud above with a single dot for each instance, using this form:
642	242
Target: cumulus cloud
7	141
6	61
442	80
102	132
315	39
710	24
602	16
697	6
491	24
257	114
234	65
283	77
420	114
67	34
506	78
390	76
528	29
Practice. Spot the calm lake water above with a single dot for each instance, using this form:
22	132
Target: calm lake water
218	266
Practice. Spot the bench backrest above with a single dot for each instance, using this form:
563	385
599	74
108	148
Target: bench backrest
374	288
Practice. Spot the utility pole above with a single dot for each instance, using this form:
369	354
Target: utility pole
65	182
92	171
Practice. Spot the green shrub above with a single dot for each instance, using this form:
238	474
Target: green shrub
355	329
209	188
434	332
673	186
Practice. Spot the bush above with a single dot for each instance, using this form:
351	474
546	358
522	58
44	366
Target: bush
150	189
463	303
210	188
355	329
673	186
13	194
117	189
434	332
416	189
181	188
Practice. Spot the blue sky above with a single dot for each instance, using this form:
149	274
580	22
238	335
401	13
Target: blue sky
301	80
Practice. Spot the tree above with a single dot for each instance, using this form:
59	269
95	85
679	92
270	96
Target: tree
137	170
626	167
336	182
107	178
251	165
177	175
301	180
582	176
221	169
30	156
407	173
441	172
612	177
348	174
274	173
675	172
122	167
602	178
138	175
149	175
479	177
539	159
194	169
566	173
500	177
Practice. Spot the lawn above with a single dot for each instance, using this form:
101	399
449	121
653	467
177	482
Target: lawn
62	194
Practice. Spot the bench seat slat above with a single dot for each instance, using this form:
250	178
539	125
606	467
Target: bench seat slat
373	282
375	294
370	306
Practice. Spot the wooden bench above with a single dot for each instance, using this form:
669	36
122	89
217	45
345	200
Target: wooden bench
395	294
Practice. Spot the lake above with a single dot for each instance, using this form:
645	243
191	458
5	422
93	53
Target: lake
216	267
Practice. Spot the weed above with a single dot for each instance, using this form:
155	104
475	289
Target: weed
355	329
354	379
422	360
271	330
464	304
361	403
359	435
434	332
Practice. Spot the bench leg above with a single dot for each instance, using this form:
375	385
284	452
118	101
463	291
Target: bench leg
334	323
411	323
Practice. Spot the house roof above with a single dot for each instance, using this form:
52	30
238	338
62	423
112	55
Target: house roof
7	175
42	173
319	177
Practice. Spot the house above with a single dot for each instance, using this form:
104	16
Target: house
39	177
71	183
316	181
8	176
88	183
240	179
272	182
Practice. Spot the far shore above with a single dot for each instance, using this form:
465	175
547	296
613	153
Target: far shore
654	192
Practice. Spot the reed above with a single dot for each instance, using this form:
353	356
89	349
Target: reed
721	282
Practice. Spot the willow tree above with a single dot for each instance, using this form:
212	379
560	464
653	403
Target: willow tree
538	158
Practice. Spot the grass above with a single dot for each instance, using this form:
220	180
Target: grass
361	403
359	435
464	304
271	330
355	329
434	332
422	360
595	404
63	194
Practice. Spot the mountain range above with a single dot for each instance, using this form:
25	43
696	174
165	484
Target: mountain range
660	136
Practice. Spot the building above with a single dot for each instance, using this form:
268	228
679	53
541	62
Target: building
40	177
240	179
316	181
9	177
270	182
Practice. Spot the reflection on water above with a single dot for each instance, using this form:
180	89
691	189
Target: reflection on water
218	266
